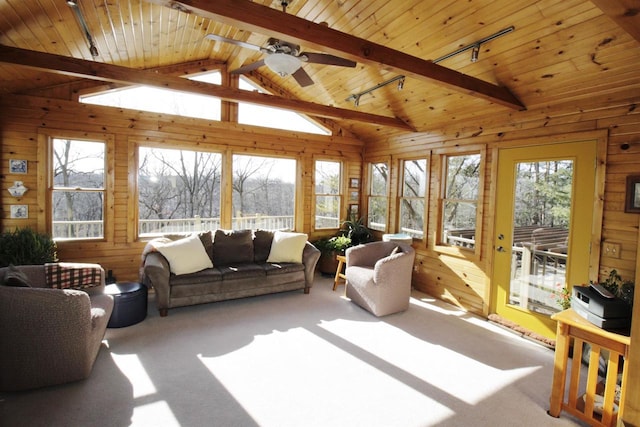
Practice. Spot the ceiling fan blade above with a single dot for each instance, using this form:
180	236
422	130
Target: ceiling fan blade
302	77
324	58
218	38
248	67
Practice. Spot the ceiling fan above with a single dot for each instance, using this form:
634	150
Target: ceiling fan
284	58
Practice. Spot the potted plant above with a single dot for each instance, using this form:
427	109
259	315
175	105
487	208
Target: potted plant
25	246
355	230
329	248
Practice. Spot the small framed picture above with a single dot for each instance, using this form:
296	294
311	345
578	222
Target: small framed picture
353	210
17	166
632	200
353	195
19	211
354	183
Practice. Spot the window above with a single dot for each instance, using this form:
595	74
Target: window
258	115
460	198
328	194
178	191
159	100
79	189
378	189
263	193
412	196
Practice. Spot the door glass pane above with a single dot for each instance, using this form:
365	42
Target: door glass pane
542	209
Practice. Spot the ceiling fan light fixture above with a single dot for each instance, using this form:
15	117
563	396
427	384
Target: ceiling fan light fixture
282	63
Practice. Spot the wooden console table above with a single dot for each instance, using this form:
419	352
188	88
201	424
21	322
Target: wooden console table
574	328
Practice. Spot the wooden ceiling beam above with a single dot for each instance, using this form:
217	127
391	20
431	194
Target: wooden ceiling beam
117	74
625	13
265	20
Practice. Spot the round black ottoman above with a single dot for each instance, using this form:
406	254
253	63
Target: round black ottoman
129	303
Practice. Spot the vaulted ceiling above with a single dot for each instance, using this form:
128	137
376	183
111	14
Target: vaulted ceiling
567	55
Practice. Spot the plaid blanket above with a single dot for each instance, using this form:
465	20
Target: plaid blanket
66	275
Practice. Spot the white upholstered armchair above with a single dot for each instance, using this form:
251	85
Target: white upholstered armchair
378	276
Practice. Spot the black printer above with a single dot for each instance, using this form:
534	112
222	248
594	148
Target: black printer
600	307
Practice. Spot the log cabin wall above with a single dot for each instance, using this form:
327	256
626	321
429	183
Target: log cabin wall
465	281
26	120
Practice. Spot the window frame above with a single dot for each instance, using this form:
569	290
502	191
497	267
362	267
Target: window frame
386	196
297	190
424	197
439	245
45	174
340	195
134	165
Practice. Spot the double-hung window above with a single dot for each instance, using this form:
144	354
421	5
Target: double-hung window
328	194
378	196
460	200
79	188
412	197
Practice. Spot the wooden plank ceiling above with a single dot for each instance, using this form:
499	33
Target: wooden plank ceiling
565	53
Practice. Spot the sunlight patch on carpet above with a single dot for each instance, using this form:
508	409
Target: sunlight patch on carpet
282	371
131	367
148	415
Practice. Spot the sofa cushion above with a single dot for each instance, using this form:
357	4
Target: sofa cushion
287	247
281	268
240	271
15	277
232	247
262	245
208	275
185	255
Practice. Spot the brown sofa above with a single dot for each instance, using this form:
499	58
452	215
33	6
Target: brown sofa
240	269
49	336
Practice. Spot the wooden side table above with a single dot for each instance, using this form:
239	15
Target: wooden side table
573	327
339	274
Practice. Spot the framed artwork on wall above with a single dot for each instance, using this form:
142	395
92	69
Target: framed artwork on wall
17	166
19	211
632	199
353	195
353	210
354	183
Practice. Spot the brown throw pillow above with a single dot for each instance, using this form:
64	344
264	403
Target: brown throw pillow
17	278
232	247
262	245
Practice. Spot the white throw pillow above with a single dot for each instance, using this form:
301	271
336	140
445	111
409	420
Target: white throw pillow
185	255
287	247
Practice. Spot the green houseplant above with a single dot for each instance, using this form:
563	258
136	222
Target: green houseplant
355	230
24	246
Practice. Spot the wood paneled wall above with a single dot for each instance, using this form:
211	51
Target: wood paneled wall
465	281
25	119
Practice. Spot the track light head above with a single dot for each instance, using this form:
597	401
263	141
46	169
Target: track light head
475	52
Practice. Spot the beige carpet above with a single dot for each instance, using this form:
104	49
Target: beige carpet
303	360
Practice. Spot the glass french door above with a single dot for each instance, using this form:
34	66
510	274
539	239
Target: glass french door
542	241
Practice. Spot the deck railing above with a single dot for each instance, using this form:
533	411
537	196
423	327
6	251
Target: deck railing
148	227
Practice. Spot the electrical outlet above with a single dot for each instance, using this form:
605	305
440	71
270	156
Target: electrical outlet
611	249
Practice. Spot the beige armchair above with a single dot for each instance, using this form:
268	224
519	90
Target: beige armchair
49	336
378	276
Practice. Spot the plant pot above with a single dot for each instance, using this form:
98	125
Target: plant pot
327	264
